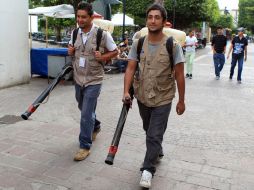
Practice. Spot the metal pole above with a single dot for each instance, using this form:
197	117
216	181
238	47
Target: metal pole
46	32
30	32
174	12
124	10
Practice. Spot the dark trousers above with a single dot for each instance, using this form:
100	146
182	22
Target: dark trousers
235	59
219	60
155	121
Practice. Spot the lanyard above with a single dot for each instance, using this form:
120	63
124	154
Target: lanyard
84	39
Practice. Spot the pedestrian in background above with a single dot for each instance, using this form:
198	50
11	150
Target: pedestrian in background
154	86
190	51
219	43
88	74
239	46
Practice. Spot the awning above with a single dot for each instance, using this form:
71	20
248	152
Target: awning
60	9
117	19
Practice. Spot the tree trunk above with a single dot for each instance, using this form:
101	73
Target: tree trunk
58	33
159	2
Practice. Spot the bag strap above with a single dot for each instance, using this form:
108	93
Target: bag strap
98	37
139	47
169	46
74	35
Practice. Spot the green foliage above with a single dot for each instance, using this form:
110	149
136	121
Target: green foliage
225	21
246	14
187	12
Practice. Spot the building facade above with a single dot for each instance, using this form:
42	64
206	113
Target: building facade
14	48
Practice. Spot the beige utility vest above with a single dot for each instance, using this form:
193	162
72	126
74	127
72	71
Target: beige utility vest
93	71
155	85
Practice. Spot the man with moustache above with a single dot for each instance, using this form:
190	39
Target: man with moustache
88	73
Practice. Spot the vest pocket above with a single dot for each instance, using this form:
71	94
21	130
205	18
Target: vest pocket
95	68
137	89
164	89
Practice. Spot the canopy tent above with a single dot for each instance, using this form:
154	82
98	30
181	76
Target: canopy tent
117	19
58	11
67	11
64	9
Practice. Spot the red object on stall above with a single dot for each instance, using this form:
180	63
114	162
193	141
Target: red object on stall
168	25
97	15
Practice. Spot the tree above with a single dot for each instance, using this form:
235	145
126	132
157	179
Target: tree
186	11
225	21
246	14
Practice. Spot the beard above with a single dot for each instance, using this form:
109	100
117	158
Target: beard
157	31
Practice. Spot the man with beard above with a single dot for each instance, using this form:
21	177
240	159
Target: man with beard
154	86
88	73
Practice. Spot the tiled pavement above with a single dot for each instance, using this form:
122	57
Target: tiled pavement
210	147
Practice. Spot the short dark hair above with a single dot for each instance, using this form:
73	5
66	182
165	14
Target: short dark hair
219	27
158	7
86	7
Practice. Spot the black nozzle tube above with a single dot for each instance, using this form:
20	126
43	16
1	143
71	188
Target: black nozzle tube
110	159
26	115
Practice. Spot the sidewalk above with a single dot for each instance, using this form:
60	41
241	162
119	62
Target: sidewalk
210	147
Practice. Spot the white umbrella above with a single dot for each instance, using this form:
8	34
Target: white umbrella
117	19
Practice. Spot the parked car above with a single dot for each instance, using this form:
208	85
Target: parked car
52	40
64	42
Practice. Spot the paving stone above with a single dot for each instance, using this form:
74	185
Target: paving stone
209	147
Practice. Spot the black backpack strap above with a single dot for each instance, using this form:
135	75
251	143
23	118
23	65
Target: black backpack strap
98	38
169	46
139	47
74	35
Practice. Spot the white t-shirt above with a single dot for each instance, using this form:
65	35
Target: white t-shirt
110	44
191	41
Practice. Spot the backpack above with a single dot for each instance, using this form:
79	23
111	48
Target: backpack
169	46
98	37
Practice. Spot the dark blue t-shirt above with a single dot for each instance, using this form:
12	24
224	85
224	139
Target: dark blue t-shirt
239	45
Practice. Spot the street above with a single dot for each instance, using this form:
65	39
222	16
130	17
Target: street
211	146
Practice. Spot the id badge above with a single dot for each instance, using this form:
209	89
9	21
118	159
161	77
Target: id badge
82	61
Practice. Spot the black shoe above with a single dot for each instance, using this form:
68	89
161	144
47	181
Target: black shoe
190	77
230	77
187	75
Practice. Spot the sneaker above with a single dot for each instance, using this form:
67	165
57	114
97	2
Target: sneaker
81	154
95	133
217	77
187	75
190	76
146	179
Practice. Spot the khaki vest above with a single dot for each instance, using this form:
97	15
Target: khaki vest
93	71
155	85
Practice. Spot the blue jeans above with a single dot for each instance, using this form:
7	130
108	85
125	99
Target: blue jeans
87	100
155	120
236	58
219	61
122	64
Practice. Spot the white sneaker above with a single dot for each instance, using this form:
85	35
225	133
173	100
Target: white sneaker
146	179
